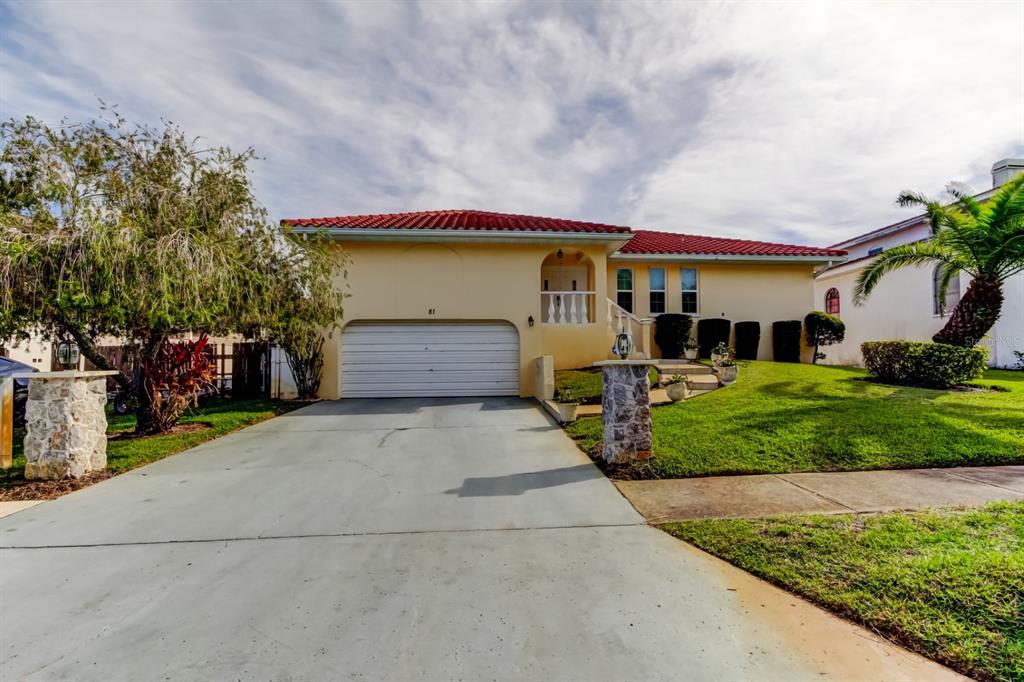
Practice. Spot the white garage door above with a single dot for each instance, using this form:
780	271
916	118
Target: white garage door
409	359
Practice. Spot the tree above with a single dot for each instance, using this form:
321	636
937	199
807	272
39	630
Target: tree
671	332
142	234
823	330
983	240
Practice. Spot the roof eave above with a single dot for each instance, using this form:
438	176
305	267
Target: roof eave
493	236
724	258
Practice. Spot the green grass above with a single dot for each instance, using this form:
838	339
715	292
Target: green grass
947	583
585	384
222	414
787	417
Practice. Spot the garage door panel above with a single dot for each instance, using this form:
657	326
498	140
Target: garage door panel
429	359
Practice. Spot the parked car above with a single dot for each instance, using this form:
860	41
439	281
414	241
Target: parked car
7	368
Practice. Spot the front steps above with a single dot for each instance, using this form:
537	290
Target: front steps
700	379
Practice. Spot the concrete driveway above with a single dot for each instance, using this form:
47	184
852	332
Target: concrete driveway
397	539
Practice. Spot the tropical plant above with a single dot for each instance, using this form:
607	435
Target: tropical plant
142	234
823	330
174	378
983	240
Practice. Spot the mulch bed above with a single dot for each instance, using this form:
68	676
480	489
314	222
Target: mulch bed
48	490
21	490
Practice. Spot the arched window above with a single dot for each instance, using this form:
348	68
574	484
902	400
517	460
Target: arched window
832	301
940	307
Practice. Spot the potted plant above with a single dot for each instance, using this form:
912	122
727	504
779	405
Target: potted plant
727	370
567	405
691	349
720	353
676	388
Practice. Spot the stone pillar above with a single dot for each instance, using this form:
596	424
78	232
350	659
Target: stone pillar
626	410
66	425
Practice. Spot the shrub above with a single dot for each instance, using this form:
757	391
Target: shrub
748	338
712	332
671	332
823	330
915	363
786	340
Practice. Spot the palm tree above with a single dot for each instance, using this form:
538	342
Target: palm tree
984	240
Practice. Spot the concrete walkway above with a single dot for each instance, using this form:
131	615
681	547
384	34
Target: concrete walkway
394	539
824	493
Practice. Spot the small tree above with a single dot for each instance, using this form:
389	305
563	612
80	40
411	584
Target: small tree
142	234
823	330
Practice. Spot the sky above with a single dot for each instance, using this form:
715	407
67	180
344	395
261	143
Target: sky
784	122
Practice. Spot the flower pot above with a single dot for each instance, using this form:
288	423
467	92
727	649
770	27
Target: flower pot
690	354
567	412
678	391
727	375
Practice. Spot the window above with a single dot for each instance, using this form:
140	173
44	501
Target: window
657	276
832	301
875	251
940	307
689	289
624	289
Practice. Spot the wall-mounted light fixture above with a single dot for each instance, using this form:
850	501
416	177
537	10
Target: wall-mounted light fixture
559	254
529	320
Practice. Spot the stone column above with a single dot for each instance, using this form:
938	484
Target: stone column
626	410
66	425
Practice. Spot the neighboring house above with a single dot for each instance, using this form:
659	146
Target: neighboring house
904	305
464	303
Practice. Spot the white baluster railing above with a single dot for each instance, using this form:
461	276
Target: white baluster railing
620	319
566	307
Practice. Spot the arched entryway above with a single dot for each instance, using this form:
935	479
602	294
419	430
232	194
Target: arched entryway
567	288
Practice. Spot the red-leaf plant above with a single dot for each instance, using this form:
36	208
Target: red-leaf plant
175	379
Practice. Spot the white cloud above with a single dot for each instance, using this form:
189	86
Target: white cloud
783	121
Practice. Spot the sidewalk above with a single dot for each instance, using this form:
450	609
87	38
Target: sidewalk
821	493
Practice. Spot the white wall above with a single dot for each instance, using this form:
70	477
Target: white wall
901	305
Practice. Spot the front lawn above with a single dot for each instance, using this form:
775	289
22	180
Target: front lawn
781	418
585	384
124	451
947	583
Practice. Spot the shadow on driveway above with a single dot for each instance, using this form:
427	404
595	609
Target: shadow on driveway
517	484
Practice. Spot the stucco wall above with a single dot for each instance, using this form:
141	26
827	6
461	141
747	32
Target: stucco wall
735	291
901	307
466	281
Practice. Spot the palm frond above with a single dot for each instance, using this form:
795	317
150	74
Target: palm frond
964	197
918	253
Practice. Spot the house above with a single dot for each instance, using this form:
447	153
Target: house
905	305
465	303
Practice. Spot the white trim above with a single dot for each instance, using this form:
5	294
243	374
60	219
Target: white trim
703	257
631	290
696	272
663	290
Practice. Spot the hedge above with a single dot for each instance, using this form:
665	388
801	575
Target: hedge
918	363
710	333
671	332
748	338
786	340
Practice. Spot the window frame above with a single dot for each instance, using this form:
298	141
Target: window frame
651	291
833	295
936	276
695	291
631	291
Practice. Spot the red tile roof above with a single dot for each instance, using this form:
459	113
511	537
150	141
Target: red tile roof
456	220
642	242
673	243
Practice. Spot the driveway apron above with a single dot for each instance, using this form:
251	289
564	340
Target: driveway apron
393	539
